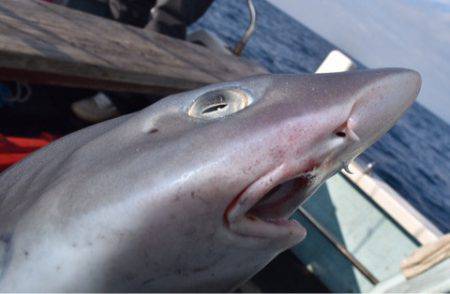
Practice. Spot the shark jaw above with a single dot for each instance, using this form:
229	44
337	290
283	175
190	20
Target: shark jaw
262	209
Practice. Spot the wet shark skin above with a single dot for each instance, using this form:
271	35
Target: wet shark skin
158	200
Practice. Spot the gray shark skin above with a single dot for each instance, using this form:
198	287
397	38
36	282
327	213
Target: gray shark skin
194	192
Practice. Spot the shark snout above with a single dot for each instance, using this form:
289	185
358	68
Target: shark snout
381	103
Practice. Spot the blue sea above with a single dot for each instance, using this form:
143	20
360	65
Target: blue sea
413	158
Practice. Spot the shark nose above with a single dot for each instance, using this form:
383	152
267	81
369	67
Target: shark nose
383	102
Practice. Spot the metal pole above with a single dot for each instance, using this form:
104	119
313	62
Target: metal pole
339	246
248	33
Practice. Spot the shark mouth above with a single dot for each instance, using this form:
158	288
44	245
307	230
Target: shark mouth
263	208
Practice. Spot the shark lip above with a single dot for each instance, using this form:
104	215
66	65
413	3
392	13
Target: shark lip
263	208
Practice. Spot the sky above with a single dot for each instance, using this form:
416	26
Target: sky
388	33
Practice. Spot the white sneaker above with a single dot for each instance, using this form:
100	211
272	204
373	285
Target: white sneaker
95	109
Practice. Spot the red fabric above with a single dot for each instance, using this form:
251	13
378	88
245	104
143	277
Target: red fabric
13	149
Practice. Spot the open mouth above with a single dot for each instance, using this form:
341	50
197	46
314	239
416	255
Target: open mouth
263	208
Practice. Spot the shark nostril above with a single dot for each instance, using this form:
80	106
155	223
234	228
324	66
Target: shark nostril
345	131
219	103
342	130
341	134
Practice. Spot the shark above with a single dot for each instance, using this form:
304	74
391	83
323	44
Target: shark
193	193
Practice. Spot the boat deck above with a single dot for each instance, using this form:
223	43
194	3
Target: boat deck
50	44
374	225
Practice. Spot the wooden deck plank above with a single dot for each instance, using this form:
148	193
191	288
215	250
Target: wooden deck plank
48	43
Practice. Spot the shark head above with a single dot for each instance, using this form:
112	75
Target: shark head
244	155
195	192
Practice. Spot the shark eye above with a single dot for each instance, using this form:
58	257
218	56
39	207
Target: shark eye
219	103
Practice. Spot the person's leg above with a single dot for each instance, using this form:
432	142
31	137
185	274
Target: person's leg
93	7
172	17
169	17
132	12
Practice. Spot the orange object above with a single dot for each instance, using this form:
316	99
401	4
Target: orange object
13	149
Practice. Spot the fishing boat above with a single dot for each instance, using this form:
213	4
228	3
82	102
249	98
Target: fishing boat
360	231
